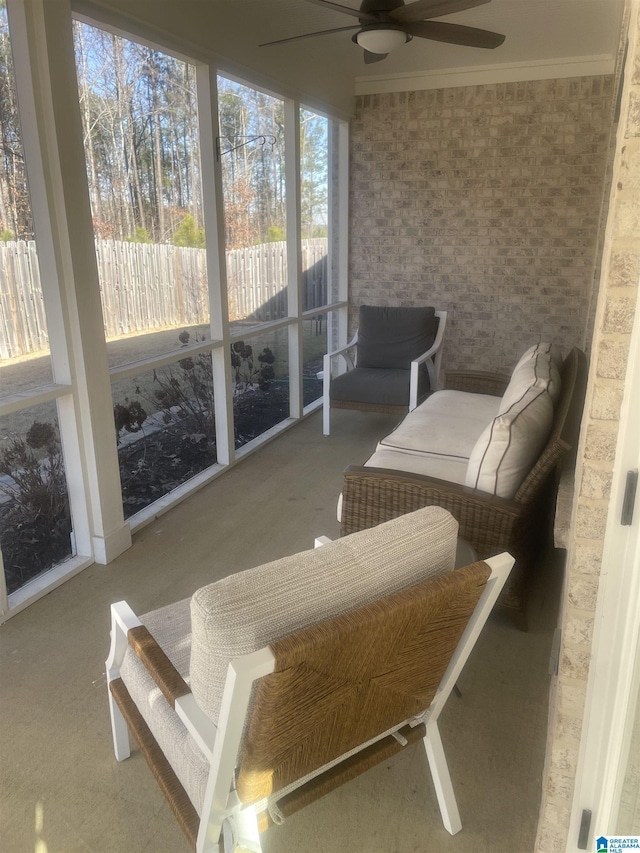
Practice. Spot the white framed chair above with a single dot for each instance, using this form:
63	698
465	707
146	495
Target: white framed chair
288	726
392	362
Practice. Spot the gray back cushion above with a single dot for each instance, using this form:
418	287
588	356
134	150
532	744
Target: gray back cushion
393	337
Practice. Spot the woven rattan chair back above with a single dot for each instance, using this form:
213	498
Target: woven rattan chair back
344	682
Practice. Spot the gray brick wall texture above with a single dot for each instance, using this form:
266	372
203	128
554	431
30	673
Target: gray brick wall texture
486	201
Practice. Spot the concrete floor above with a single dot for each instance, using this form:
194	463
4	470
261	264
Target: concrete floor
62	790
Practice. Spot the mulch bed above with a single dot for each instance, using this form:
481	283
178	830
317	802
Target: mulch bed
150	467
31	547
156	464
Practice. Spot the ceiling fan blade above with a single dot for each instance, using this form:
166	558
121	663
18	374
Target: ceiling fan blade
310	35
454	34
422	9
347	10
373	57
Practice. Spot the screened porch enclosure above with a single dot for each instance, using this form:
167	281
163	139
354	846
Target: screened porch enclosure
206	216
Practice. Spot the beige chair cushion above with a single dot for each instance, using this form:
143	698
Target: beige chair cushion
244	612
539	371
508	448
453	469
450	468
171	628
446	425
552	350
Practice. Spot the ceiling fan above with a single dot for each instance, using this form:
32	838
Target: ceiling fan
387	24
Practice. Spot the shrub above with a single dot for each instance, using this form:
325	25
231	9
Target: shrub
36	519
188	235
248	374
141	235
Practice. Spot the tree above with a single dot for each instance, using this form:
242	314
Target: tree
15	206
314	174
252	174
139	113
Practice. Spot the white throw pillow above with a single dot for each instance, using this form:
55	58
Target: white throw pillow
537	371
509	447
552	350
246	611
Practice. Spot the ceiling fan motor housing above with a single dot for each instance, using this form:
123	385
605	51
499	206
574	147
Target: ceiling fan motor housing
379	7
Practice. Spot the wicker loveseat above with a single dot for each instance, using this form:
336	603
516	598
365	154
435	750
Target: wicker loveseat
495	513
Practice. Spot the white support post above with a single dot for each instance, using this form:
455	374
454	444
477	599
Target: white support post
46	76
213	212
294	254
342	228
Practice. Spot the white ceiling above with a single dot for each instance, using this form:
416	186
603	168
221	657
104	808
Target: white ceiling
544	38
534	29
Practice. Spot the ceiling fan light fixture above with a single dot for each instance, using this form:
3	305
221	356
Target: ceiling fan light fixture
382	39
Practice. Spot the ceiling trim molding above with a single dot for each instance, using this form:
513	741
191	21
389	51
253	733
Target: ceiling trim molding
515	72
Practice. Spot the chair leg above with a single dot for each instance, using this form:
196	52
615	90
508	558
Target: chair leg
442	779
326	420
326	397
240	832
119	731
211	837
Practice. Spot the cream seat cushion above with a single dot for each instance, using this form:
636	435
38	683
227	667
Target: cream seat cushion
446	425
451	468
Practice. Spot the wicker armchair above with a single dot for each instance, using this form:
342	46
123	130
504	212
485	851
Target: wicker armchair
489	523
288	725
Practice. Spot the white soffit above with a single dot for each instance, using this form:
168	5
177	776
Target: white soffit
545	39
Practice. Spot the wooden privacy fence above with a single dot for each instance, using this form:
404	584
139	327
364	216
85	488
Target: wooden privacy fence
148	286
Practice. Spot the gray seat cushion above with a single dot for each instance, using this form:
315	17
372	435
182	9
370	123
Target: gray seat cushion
394	337
377	386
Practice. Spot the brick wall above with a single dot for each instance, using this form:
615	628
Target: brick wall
617	303
484	200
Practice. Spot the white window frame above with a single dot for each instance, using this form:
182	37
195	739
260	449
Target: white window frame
82	383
